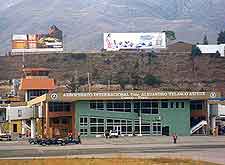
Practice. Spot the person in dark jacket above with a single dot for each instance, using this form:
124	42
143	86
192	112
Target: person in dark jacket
106	134
174	138
78	138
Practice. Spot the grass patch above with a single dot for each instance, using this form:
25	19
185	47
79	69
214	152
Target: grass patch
104	161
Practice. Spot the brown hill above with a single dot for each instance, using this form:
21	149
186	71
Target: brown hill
170	69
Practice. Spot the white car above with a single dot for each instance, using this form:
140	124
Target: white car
113	133
5	137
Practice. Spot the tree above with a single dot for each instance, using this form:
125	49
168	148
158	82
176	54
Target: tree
218	54
170	35
205	40
195	51
221	38
73	84
152	80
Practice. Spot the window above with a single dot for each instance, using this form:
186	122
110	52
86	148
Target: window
109	106
14	127
197	105
55	121
145	127
156	128
171	104
146	107
35	93
155	111
83	131
96	125
59	107
65	121
97	105
137	107
92	105
164	104
182	104
19	113
127	106
118	106
177	104
84	125
122	125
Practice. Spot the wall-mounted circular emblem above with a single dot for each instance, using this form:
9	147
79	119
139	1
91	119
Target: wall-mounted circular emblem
54	96
212	94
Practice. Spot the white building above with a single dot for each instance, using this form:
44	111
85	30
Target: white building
21	119
212	49
19	113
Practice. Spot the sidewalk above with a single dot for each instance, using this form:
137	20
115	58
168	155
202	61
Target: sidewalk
153	140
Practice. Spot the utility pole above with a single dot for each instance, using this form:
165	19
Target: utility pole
108	85
89	85
23	61
140	120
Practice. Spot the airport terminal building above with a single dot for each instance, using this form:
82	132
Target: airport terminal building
128	112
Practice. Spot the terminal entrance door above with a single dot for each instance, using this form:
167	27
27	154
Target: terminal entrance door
166	130
117	128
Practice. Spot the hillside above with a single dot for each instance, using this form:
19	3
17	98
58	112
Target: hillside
176	71
84	21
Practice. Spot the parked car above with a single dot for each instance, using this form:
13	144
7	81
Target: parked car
34	140
70	140
52	141
5	137
113	133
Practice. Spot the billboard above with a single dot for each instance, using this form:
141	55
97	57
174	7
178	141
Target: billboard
52	41
117	41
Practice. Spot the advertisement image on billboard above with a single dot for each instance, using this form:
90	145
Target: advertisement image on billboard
52	41
117	41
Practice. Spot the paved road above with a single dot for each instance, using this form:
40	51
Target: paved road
204	148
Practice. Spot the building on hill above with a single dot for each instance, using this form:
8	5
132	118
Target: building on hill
209	49
179	47
52	42
36	82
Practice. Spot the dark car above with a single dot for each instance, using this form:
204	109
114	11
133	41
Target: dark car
35	140
70	140
52	141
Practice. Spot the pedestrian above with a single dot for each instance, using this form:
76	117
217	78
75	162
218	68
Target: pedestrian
174	138
106	134
78	138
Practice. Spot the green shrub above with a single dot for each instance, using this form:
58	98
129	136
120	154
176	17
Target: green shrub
195	51
152	80
75	56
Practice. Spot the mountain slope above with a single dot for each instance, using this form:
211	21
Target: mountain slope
84	21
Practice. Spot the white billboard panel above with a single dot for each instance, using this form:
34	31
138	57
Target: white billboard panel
117	41
19	37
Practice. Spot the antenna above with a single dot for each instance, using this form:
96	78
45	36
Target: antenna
23	60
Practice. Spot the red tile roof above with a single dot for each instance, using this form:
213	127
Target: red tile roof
35	69
34	84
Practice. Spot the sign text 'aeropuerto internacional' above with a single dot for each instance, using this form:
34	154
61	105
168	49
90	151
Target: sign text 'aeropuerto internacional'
125	95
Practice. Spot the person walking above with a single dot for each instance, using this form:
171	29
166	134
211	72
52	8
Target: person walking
78	138
174	138
107	134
